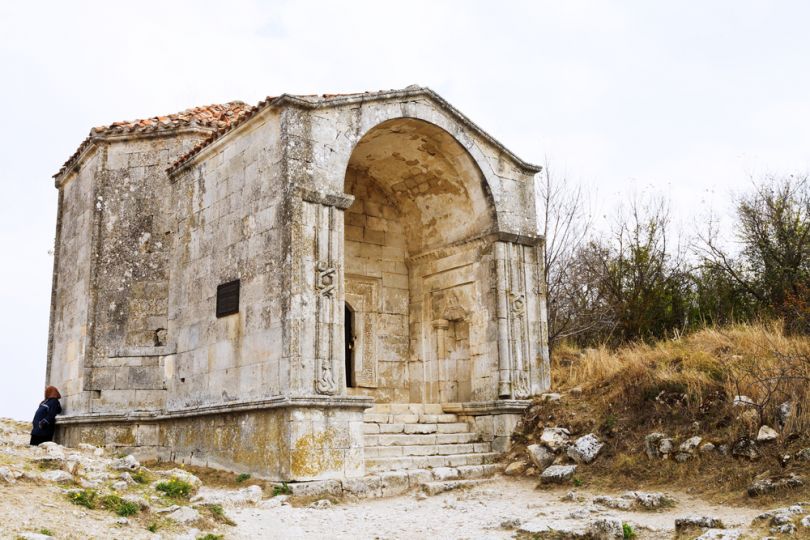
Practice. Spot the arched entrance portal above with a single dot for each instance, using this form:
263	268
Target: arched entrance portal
416	257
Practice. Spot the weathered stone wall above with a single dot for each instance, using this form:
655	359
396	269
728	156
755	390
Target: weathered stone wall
377	290
229	226
276	443
131	343
72	293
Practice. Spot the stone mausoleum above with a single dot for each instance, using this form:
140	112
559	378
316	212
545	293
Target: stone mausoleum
315	287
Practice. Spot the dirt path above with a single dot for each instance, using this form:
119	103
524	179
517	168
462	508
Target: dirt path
490	510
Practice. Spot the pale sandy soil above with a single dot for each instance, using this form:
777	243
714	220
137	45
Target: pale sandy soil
477	513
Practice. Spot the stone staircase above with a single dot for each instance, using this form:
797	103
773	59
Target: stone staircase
406	436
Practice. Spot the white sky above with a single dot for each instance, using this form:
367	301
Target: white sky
687	98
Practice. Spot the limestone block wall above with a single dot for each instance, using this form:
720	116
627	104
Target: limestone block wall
135	232
230	225
377	290
71	295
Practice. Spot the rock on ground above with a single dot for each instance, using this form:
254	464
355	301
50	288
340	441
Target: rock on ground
555	438
557	474
698	522
775	483
766	434
585	449
245	496
541	456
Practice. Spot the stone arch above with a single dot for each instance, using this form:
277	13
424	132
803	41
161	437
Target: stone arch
432	178
420	201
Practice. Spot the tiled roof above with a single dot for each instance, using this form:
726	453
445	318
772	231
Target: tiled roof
211	117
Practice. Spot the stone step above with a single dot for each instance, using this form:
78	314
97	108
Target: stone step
409	418
419	439
449	427
427	450
380	464
406	408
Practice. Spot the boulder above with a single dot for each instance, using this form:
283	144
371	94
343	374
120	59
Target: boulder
606	529
708	448
185	476
57	476
246	496
183	514
697	522
541	456
775	483
516	468
585	449
690	445
619	503
651	444
126	463
767	434
557	474
745	448
555	438
651	500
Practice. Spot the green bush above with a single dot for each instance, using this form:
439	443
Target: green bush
628	531
119	505
242	478
141	476
84	497
281	489
211	536
175	488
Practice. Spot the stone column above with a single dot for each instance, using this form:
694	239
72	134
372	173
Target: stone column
441	326
502	306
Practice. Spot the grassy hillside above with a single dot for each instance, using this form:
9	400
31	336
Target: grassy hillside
684	387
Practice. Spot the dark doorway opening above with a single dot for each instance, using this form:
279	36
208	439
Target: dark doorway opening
348	325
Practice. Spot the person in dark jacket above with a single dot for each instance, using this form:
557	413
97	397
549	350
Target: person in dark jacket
45	417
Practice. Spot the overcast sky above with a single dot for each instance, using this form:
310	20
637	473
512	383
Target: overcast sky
688	98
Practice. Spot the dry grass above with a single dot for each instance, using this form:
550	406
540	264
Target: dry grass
682	387
760	362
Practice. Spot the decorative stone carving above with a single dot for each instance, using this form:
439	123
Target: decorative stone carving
325	282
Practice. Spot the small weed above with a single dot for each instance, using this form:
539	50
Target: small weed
627	531
46	532
578	482
153	527
119	505
282	489
175	488
218	513
211	536
141	476
610	422
85	497
242	478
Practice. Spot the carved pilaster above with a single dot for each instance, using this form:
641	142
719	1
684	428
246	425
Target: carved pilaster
328	311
